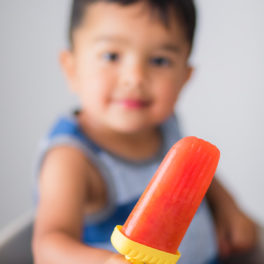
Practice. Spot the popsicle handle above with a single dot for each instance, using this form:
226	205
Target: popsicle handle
137	253
133	261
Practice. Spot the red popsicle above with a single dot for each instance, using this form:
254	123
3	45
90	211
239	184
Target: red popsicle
166	208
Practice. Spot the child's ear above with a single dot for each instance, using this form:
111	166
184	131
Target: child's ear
189	72
186	76
66	60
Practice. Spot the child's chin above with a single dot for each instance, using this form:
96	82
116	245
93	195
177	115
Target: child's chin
128	127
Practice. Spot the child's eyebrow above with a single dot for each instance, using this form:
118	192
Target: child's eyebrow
164	46
170	47
106	38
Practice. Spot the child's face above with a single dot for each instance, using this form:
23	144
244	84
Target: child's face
126	67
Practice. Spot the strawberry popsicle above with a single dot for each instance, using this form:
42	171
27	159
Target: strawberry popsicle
163	213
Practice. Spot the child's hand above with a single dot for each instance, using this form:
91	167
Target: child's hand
117	259
236	231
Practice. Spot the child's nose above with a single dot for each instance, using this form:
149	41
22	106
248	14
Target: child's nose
133	75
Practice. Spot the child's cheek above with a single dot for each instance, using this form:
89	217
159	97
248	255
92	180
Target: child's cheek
166	90
105	79
166	99
99	85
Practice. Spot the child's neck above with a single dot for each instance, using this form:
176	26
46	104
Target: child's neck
137	146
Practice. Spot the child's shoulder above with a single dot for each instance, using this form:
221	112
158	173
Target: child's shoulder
69	188
64	161
66	131
67	166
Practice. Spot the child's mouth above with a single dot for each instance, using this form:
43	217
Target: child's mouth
133	103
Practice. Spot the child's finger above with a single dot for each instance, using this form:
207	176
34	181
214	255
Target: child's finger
223	242
243	236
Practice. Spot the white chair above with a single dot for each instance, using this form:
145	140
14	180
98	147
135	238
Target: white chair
15	241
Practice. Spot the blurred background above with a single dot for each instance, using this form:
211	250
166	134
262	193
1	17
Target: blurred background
223	102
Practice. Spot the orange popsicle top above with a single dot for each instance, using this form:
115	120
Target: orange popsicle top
166	208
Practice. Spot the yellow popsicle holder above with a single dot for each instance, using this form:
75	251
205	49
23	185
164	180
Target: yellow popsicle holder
137	253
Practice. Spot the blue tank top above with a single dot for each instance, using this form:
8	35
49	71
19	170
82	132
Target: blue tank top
125	181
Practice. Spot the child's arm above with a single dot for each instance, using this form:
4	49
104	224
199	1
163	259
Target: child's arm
236	231
65	179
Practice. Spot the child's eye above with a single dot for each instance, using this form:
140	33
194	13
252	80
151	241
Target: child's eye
111	56
160	61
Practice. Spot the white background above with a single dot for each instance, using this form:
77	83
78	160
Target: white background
222	103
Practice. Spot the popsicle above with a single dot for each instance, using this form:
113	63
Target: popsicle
156	226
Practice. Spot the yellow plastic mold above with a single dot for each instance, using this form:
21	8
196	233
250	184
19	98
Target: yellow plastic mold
137	253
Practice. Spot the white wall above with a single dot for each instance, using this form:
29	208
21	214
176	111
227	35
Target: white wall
222	103
32	92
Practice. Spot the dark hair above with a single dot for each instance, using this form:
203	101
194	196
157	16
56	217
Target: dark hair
184	9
